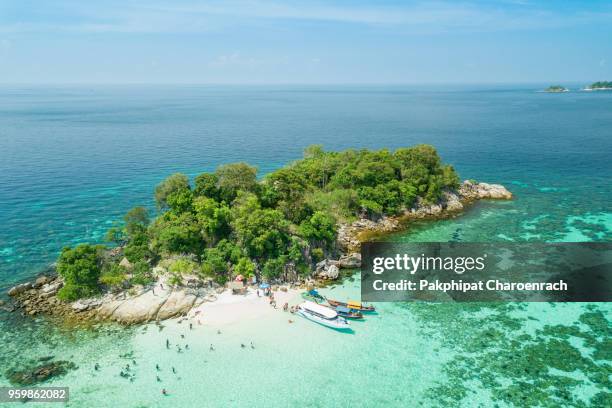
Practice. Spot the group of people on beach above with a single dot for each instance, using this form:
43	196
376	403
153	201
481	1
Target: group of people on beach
127	372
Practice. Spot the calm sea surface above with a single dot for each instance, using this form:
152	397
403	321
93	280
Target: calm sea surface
73	160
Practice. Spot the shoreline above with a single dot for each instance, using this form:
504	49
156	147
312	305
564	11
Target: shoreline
228	309
161	300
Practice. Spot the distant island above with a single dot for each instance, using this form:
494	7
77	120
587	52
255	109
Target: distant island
599	86
556	89
228	231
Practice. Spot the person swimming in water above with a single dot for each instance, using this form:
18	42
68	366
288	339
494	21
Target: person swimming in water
218	331
252	346
164	392
158	379
167	343
96	366
186	346
190	326
242	345
157	367
173	370
212	348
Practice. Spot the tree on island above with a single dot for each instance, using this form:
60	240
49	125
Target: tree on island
230	223
80	267
556	88
601	85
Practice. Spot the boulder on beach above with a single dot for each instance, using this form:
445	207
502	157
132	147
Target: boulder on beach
475	191
452	202
177	304
139	309
106	310
327	269
19	289
41	280
51	288
82	305
350	261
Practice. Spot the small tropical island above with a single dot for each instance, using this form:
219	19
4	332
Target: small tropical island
599	86
229	231
556	89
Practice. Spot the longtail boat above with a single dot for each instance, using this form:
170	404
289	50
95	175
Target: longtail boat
348	313
353	305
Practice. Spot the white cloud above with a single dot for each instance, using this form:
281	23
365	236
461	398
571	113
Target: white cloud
183	16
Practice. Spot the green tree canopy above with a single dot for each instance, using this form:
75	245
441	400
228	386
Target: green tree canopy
173	184
136	220
206	184
236	177
80	267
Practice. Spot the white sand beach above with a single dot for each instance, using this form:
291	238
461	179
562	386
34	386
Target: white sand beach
230	309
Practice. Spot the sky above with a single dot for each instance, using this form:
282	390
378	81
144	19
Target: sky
304	42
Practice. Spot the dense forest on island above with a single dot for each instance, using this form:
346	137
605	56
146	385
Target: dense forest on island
556	88
601	85
229	222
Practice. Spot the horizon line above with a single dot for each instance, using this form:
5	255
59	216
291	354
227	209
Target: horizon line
84	83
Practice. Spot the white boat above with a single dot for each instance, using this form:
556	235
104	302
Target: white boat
323	315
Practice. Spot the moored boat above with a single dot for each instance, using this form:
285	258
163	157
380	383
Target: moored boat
322	315
348	313
313	296
353	305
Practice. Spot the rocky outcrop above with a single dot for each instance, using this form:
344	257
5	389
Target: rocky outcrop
39	374
351	235
108	307
178	303
348	234
139	309
52	288
471	190
40	281
350	261
82	305
327	269
19	289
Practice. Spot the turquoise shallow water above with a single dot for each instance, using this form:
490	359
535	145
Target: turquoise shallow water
74	159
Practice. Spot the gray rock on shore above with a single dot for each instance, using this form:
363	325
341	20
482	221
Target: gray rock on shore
327	269
476	191
19	289
350	261
139	309
178	303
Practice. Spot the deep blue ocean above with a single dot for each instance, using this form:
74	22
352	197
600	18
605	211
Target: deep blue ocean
74	159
